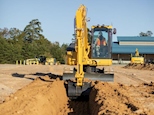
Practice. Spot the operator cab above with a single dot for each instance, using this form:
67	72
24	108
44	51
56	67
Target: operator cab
101	42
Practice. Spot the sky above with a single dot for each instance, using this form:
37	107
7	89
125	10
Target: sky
129	17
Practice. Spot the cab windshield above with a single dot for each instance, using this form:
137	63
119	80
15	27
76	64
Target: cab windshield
100	44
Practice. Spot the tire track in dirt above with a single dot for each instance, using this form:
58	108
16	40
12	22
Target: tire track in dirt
132	77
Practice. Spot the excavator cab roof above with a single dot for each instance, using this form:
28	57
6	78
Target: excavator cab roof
103	26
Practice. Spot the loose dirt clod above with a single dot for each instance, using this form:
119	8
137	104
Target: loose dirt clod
146	66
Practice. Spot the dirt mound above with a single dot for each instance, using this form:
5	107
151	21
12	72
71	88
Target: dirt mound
41	97
117	99
45	96
146	66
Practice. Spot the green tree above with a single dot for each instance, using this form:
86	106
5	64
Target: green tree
58	52
148	33
14	32
33	30
5	51
43	47
30	43
63	49
4	33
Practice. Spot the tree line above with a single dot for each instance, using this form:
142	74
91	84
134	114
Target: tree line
29	43
148	33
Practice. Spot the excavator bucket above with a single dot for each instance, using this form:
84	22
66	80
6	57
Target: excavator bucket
75	92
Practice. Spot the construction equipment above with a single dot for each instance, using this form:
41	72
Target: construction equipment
87	52
41	60
32	61
137	59
50	61
46	60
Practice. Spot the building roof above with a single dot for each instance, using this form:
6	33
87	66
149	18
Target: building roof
135	38
130	49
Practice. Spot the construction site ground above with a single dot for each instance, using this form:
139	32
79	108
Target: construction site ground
39	90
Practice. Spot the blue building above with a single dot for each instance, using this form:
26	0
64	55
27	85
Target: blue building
126	46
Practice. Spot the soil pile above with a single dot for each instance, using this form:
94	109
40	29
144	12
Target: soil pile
117	99
146	66
45	96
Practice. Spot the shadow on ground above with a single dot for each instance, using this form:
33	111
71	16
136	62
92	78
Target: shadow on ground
79	107
34	76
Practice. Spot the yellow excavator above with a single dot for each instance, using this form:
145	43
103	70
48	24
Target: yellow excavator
137	59
90	49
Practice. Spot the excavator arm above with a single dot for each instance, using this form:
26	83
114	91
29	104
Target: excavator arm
79	88
81	42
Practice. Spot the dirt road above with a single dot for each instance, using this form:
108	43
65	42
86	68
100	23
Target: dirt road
38	90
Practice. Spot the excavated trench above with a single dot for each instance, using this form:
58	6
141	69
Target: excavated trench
45	96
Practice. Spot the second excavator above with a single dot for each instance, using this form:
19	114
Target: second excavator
90	49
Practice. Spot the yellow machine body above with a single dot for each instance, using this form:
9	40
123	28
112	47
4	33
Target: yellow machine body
90	49
71	60
137	58
50	61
